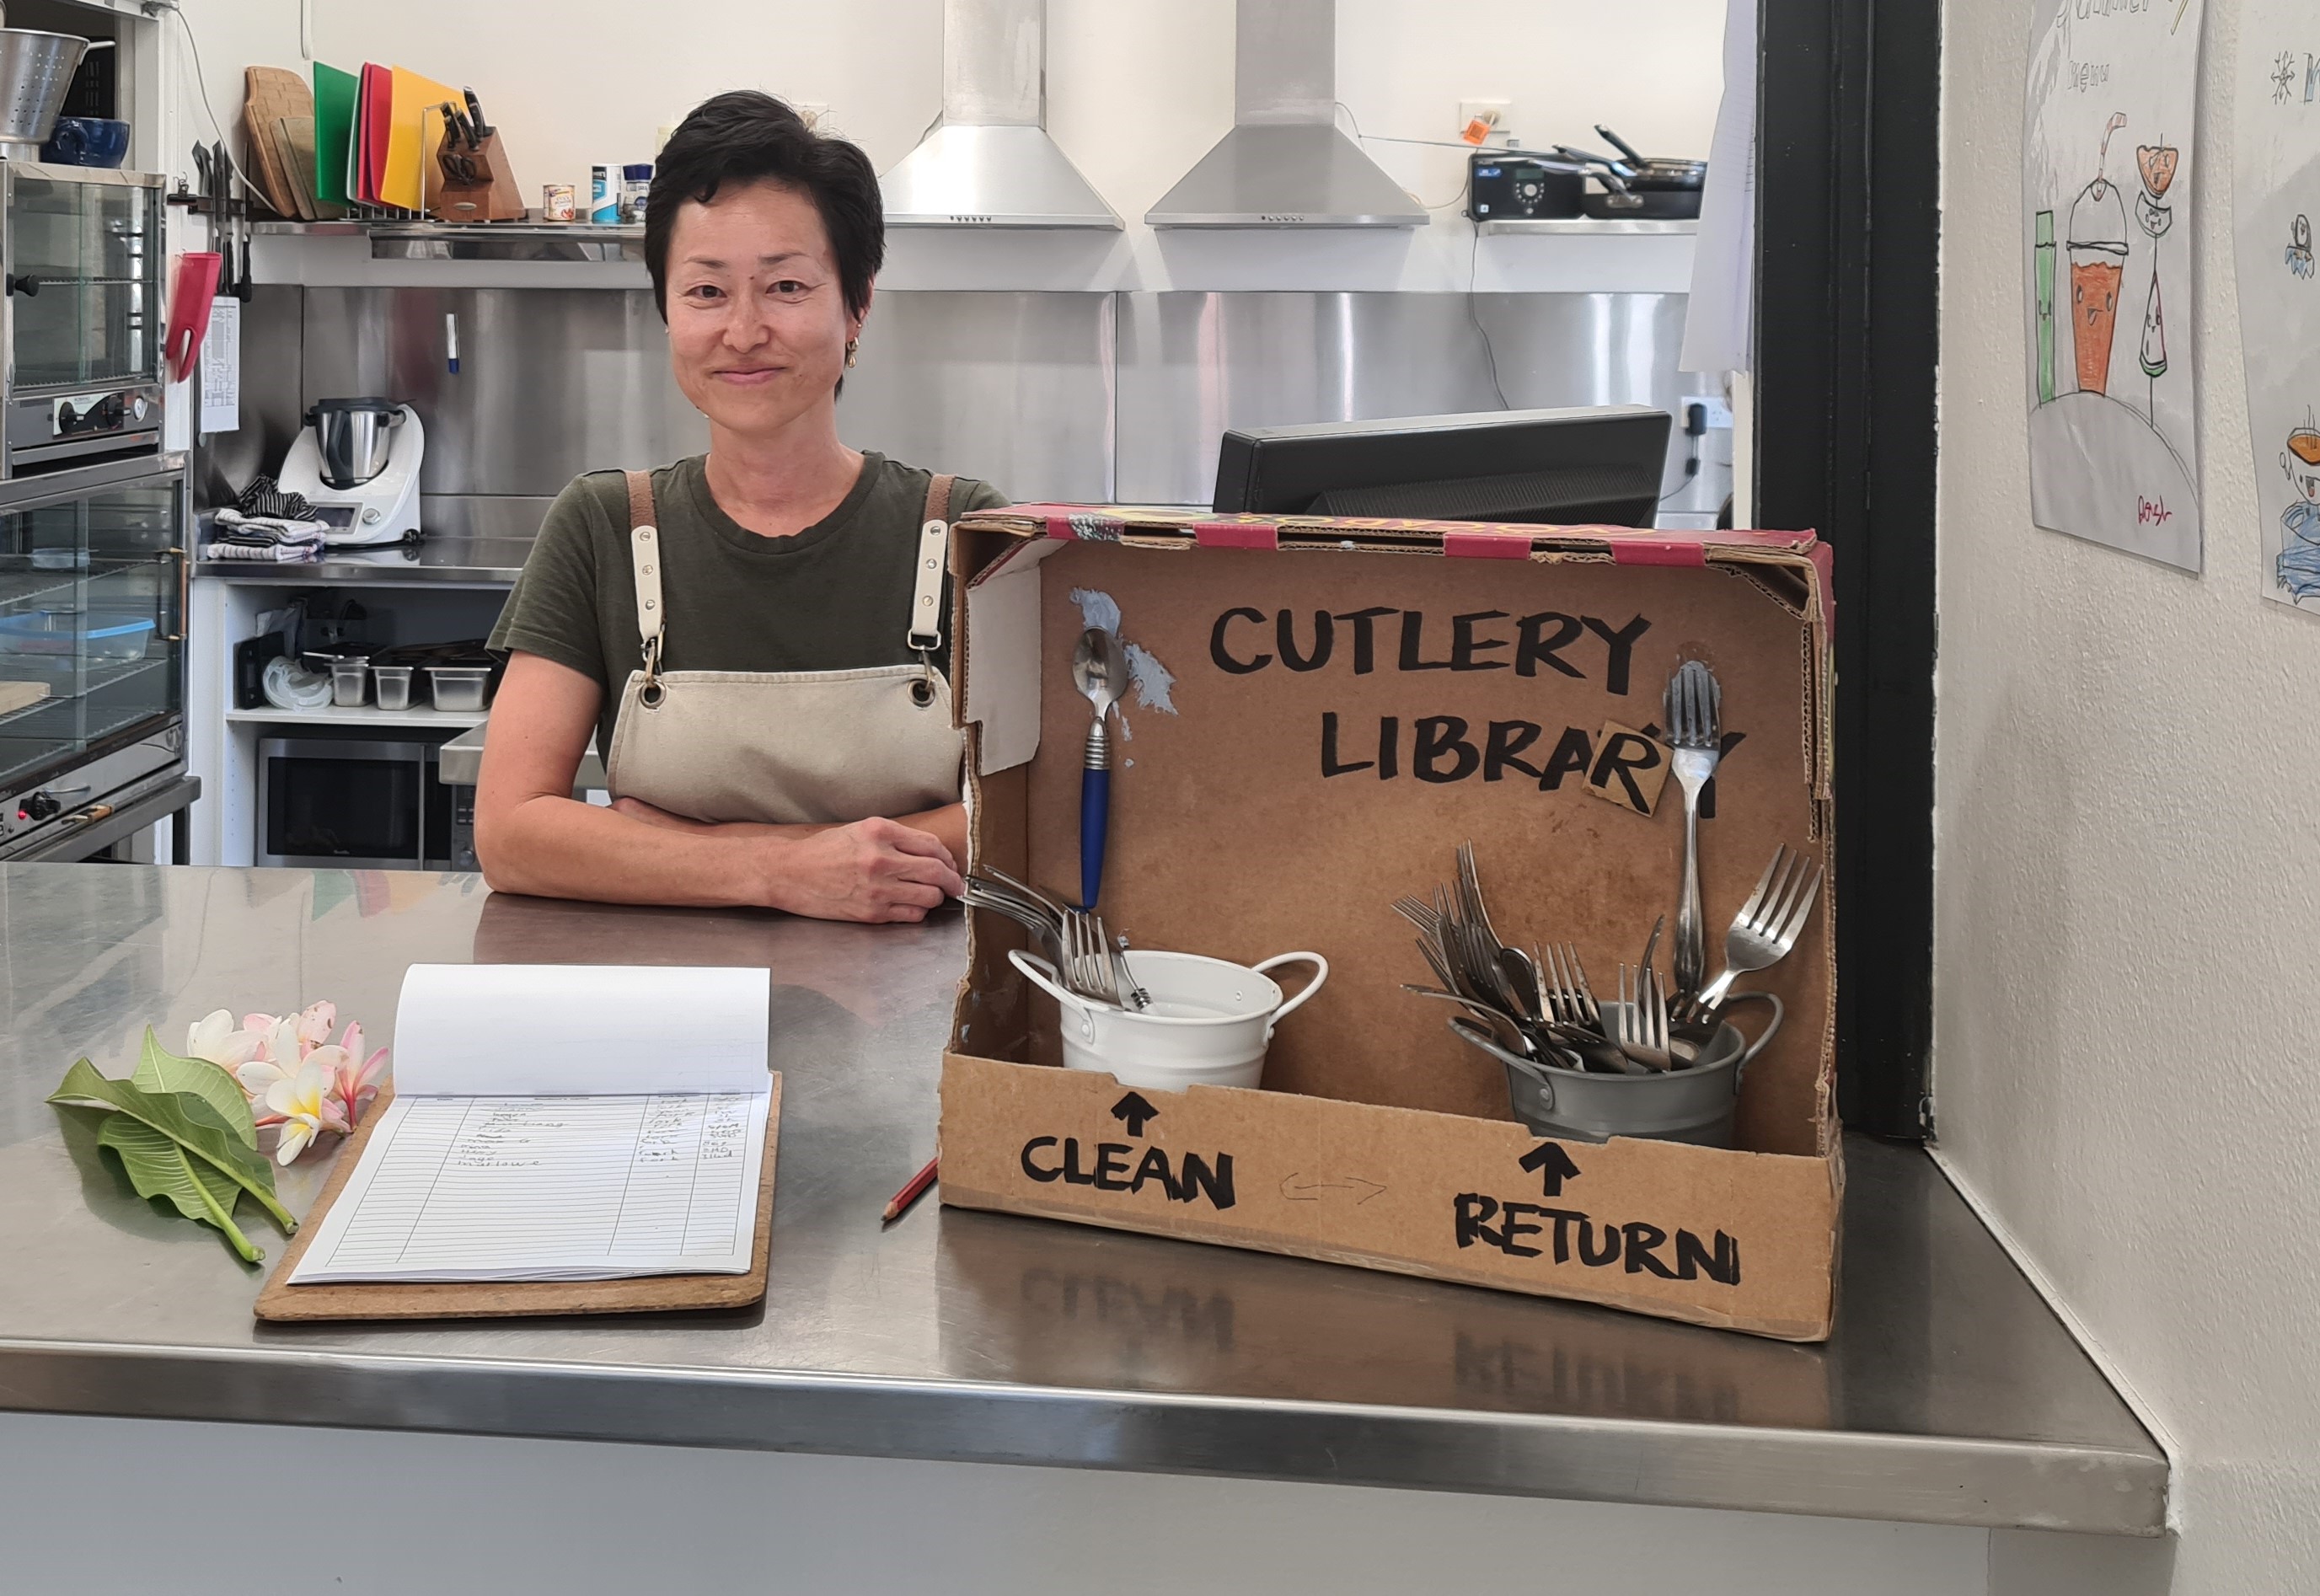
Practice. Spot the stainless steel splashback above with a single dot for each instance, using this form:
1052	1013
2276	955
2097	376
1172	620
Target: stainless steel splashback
1016	388
1193	365
1049	395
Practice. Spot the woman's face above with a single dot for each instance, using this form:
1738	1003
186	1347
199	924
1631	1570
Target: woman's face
756	323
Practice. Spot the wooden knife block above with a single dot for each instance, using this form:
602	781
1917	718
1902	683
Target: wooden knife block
493	197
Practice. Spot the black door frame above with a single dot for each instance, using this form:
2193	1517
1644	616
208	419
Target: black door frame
1848	227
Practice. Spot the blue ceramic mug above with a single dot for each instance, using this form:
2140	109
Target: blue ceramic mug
86	141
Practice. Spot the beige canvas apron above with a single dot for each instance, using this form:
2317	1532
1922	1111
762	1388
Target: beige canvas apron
788	747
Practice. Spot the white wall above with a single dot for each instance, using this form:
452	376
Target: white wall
2128	886
1138	91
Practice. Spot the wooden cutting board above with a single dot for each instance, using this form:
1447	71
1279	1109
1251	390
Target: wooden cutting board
298	147
649	1293
270	94
19	695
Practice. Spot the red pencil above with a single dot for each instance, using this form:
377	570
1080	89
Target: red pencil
914	1189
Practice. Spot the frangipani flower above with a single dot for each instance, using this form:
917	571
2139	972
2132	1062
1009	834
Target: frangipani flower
357	1082
315	1024
213	1036
304	1103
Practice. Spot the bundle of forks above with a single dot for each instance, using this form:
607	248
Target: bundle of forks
1540	1005
1087	960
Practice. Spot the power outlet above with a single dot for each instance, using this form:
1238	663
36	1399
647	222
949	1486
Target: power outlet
1485	122
1718	413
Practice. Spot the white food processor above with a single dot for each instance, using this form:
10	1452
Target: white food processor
357	461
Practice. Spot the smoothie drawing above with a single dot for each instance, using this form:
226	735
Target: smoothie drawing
2299	567
2299	246
2098	249
2157	163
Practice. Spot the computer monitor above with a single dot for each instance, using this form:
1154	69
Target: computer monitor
1598	465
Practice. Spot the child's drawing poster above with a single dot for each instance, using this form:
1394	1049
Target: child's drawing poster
2108	186
2278	195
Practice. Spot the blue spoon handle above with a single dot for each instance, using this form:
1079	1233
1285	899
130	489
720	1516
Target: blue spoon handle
1095	816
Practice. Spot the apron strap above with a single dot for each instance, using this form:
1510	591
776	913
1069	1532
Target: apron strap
644	558
924	634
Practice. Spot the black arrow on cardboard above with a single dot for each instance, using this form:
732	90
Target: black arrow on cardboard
1134	1112
1552	1164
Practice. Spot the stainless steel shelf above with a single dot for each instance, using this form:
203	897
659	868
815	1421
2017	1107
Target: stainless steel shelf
475	240
432	562
1582	227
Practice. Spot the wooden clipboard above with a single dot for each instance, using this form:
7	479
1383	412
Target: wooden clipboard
281	1302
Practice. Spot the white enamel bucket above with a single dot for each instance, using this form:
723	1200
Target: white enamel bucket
1208	1025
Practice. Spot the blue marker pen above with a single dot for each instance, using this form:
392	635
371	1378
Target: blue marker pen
451	342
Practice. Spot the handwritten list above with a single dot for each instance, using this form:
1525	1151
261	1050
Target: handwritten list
543	1188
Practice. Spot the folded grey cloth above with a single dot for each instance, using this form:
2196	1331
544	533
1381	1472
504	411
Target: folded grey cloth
265	531
279	553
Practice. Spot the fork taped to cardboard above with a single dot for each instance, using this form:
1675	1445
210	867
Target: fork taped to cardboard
1320	711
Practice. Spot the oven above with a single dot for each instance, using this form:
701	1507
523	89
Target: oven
92	573
83	254
373	804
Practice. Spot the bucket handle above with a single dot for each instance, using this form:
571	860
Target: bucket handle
1320	973
1042	974
1467	1031
1780	1013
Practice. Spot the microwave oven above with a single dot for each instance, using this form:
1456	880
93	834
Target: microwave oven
333	803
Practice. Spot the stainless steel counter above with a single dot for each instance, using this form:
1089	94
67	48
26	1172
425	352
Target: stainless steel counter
1950	1393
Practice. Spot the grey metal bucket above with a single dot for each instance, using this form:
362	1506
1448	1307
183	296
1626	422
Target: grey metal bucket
1697	1105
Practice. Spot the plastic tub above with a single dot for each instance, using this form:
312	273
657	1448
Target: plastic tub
1208	1025
109	638
459	686
393	685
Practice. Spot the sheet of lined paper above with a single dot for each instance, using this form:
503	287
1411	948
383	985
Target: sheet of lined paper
548	1188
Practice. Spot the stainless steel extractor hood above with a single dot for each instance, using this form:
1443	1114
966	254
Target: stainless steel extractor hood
1285	163
990	163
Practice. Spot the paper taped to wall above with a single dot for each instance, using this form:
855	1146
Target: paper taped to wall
2276	90
2108	203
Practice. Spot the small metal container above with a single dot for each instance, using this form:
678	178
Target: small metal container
459	686
350	680
559	201
1699	1105
394	686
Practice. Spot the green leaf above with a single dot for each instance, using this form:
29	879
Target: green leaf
160	1070
159	1167
185	1119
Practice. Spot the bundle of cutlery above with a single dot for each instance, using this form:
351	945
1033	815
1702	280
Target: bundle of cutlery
1085	955
1537	1010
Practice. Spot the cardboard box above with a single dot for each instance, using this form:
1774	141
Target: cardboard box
1325	711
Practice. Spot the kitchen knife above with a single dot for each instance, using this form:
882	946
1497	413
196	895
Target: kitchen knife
482	129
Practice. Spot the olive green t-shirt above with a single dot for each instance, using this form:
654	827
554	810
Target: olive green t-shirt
835	596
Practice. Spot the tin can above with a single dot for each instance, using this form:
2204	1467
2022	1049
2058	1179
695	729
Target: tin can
636	186
605	193
559	201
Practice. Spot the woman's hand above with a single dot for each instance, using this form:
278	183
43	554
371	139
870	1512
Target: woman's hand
874	870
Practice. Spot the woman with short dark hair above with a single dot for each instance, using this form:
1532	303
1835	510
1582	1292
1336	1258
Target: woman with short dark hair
755	636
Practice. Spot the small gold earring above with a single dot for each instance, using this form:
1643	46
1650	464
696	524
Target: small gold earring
852	344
